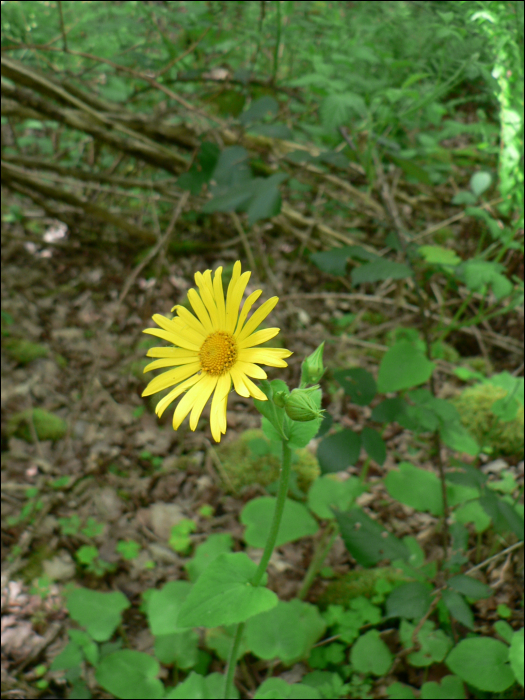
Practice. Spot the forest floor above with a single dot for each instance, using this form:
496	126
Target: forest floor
124	466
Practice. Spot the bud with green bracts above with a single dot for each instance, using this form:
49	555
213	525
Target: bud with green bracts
312	368
301	405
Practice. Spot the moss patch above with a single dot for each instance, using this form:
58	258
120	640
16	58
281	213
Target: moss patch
48	426
475	408
24	351
254	459
361	582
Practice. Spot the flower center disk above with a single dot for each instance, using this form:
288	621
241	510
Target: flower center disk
218	353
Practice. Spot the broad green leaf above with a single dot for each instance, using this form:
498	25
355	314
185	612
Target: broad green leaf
403	367
217	543
181	648
163	607
479	182
339	451
277	689
259	109
197	687
130	674
434	644
416	487
410	600
505	631
287	632
257	516
380	270
223	594
437	255
367	541
336	110
458	608
457	437
516	655
504	516
477	273
334	261
371	655
374	445
328	492
473	512
389	410
357	383
470	587
400	691
483	663
450	688
201	171
100	613
266	200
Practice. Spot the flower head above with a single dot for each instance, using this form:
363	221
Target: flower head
213	348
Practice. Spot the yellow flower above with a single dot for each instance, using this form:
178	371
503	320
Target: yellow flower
213	348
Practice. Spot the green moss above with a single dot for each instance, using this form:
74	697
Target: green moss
474	405
24	351
360	582
47	425
254	459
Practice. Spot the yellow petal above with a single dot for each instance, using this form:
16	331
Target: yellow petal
219	298
171	352
186	403
254	390
250	301
170	378
272	357
200	310
257	318
235	294
251	370
189	320
174	393
205	392
174	339
258	338
169	362
206	292
238	382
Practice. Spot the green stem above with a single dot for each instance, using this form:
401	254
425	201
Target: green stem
277	44
284	479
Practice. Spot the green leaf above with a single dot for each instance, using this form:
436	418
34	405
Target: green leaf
389	410
217	543
411	600
338	451
201	171
458	608
287	632
503	515
380	270
197	687
416	487
470	587
482	662
516	655
223	594
451	688
266	200
259	109
472	512
130	674
181	648
505	631
478	273
336	110
100	613
367	541
328	492
437	255
163	606
334	261
358	384
403	367
479	182
371	655
400	691
434	644
374	445
257	516
457	437
277	689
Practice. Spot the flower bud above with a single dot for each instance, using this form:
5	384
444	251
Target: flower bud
301	404
312	368
279	398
